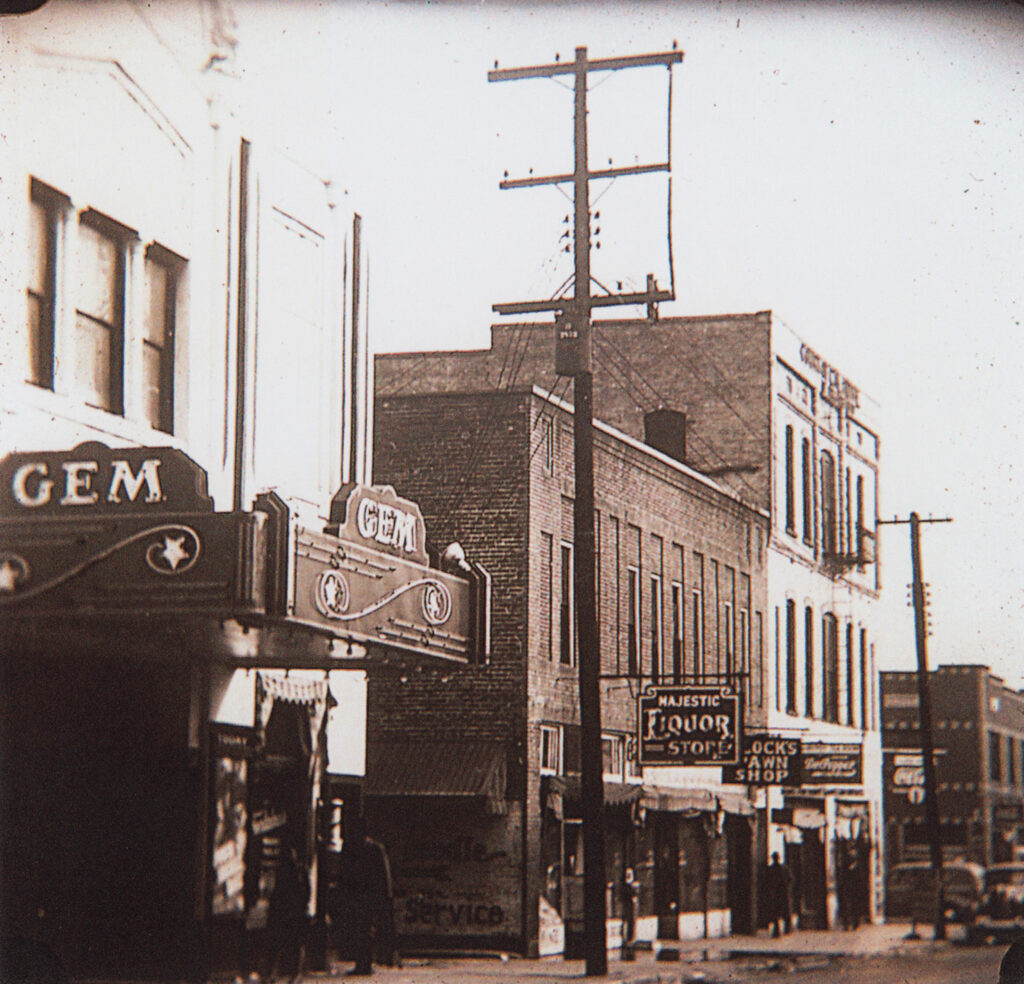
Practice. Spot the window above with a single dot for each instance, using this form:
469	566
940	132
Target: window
633	621
45	208
828	504
697	613
808	491
99	313
547	559
791	657
995	765
677	632
657	668
809	661
118	357
547	444
1011	762
851	677
613	754
158	339
863	656
730	651
567	611
790	485
830	652
743	652
859	532
550	749
848	514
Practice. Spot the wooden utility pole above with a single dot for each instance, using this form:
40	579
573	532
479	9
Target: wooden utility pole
574	348
924	700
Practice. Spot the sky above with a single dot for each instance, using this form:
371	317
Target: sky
856	168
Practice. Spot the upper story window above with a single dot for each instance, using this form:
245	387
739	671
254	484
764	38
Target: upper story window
119	355
162	270
807	489
550	749
45	209
657	667
567	610
613	754
633	621
677	632
790	484
828	503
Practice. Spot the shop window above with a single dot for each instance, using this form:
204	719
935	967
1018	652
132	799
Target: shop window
550	749
567	609
657	669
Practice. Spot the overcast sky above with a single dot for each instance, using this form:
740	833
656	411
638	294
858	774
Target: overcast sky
856	168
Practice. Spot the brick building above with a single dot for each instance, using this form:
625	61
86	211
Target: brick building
476	784
743	400
978	736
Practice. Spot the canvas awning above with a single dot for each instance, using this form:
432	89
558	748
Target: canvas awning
678	800
451	769
563	794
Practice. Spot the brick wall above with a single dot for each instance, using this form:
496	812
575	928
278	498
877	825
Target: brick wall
480	469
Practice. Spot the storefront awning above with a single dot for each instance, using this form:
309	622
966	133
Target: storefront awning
735	803
462	769
670	800
563	794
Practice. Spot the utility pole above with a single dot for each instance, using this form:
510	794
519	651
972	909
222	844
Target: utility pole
924	700
573	359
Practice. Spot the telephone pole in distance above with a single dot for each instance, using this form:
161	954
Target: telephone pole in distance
573	347
924	700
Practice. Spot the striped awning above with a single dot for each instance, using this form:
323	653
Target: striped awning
563	795
452	769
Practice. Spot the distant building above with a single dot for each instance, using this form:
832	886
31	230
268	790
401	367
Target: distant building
473	778
978	737
741	399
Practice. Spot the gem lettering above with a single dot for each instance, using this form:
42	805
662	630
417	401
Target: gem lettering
41	485
32	486
386	524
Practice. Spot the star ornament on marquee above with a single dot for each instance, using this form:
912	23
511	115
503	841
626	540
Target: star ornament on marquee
13	571
175	552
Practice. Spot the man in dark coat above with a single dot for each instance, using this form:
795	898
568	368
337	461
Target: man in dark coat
364	882
286	916
778	884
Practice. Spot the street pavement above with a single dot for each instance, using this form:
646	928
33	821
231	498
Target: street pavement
679	962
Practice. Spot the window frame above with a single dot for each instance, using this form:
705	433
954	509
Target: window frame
552	738
567	605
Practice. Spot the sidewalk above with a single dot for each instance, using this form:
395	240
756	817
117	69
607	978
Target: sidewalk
697	960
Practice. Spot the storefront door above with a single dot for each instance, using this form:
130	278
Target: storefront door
666	875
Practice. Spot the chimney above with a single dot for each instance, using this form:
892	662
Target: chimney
665	431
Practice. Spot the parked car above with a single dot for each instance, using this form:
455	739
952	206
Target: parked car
909	886
1001	913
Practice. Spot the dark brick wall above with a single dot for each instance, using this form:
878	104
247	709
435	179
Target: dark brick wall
477	465
715	369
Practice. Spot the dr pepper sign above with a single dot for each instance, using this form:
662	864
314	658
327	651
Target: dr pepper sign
685	725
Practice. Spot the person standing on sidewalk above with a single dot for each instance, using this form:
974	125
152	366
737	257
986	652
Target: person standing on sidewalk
364	881
778	884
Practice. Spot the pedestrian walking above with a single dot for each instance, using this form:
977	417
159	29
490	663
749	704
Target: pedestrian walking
365	898
286	917
778	885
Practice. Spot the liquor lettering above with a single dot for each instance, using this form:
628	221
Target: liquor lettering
713	732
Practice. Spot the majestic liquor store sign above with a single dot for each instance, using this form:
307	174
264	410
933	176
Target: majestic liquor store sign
689	725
